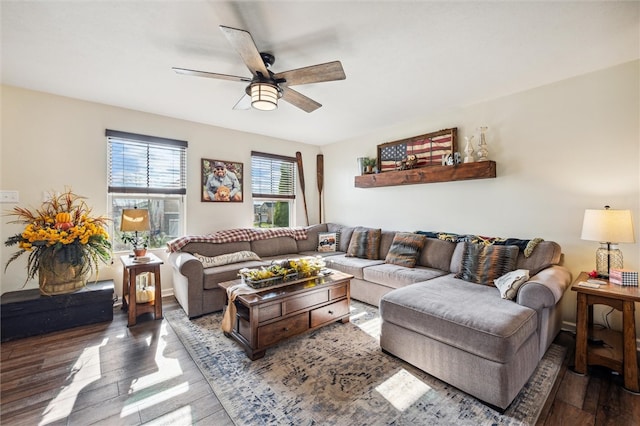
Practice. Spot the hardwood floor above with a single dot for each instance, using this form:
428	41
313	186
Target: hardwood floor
595	399
106	374
113	375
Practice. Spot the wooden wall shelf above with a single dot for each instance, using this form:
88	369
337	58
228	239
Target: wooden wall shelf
431	174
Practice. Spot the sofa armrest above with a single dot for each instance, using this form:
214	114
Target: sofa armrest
545	289
188	282
185	263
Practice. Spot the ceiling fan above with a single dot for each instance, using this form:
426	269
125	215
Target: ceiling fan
266	87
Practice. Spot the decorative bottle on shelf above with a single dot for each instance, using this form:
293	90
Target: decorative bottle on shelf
468	158
483	152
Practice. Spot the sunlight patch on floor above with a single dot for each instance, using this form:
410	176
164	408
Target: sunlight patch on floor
181	416
168	368
84	371
403	389
372	327
132	406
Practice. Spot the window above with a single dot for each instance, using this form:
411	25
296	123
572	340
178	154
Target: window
273	188
147	172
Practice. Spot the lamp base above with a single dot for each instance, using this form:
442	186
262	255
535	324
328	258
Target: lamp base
607	256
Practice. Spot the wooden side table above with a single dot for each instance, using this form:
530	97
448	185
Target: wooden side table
131	269
612	349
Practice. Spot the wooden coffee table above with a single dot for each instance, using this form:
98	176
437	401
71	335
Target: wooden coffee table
270	315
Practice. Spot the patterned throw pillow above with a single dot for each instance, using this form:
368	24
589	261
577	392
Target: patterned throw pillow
226	259
365	243
327	241
482	264
509	283
405	249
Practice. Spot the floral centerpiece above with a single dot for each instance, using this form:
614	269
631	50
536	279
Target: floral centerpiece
63	241
282	270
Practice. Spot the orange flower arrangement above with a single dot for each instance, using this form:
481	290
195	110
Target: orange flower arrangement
61	231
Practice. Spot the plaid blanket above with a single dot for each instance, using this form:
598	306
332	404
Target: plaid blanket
239	234
525	246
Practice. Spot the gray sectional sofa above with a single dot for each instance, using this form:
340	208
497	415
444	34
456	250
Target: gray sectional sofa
464	333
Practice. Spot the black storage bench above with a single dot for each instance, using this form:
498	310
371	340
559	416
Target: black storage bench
27	313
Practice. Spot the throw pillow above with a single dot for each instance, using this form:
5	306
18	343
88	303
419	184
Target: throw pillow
405	249
226	259
327	241
482	264
365	243
509	283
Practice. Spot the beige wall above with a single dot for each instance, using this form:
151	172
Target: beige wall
49	142
560	149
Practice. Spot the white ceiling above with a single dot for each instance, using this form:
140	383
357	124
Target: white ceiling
404	60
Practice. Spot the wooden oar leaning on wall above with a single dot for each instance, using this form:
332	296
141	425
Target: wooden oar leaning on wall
301	175
320	180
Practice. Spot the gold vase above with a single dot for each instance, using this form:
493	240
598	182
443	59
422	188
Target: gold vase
60	278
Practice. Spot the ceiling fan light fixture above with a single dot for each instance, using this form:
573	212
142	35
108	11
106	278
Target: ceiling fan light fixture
264	96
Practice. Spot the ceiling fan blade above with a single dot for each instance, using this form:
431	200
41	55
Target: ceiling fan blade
299	100
243	103
211	75
314	74
242	41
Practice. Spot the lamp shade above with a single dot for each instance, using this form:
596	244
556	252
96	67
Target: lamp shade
608	226
134	220
264	96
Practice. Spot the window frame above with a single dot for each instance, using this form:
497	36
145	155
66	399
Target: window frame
146	194
261	197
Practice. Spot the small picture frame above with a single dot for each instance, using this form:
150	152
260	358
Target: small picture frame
221	181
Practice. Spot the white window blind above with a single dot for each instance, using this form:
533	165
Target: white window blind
272	176
146	164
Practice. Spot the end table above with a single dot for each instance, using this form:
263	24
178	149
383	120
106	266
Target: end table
131	269
614	349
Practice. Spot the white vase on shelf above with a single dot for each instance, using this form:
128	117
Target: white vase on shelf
468	158
483	152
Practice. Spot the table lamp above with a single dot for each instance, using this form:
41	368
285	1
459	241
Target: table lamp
609	227
135	220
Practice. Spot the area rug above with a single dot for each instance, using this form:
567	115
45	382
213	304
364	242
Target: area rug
338	375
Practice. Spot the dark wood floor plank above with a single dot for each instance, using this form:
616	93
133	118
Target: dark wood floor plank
573	389
566	414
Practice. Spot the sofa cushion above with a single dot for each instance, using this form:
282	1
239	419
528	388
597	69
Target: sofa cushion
226	259
436	254
316	253
396	276
545	254
274	246
365	243
509	283
345	235
405	249
386	239
350	265
311	243
481	264
464	315
456	258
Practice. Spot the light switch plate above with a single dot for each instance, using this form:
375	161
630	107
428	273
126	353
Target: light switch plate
9	197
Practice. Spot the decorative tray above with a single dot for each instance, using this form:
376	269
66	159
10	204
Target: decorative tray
267	282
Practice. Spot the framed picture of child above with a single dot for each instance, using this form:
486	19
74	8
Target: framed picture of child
221	181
